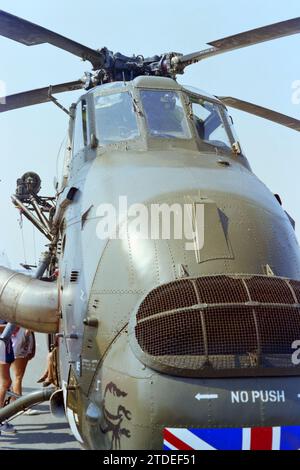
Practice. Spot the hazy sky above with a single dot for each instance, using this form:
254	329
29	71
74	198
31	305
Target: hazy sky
30	138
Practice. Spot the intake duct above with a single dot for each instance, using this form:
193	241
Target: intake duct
220	326
28	302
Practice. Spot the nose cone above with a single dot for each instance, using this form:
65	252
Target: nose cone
240	236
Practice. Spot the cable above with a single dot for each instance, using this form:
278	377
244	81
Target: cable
34	246
22	235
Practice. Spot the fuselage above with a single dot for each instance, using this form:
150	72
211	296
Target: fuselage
120	391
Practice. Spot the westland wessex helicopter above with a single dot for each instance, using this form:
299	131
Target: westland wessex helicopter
158	346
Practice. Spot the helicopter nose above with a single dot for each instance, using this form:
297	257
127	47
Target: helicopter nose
190	348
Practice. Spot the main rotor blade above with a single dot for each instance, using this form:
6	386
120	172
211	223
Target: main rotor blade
248	38
40	95
262	112
30	34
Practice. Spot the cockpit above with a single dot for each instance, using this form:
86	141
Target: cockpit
128	112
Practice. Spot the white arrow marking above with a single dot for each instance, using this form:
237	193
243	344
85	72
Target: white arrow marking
206	397
298	395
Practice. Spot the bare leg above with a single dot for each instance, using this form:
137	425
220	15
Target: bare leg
5	382
19	367
47	376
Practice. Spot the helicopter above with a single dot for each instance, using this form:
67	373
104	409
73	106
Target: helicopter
160	341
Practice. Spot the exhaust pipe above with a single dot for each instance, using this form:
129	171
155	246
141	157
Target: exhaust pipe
28	302
25	402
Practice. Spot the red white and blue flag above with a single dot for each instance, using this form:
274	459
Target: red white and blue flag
267	438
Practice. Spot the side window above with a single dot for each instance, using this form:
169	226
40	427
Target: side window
209	123
80	136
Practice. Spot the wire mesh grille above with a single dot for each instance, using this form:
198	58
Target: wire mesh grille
295	285
221	322
226	327
221	289
278	329
173	334
173	296
269	290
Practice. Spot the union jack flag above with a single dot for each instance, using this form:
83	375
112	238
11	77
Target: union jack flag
267	438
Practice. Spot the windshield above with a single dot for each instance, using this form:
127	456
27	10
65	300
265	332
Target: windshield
210	122
164	114
115	118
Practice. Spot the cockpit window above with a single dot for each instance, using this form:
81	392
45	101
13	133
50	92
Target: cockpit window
210	122
115	118
165	116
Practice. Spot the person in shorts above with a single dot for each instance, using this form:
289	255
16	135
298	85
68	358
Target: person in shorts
23	343
6	359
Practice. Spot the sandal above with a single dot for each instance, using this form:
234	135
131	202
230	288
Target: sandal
42	379
46	383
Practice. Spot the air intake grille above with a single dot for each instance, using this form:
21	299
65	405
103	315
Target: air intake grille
209	325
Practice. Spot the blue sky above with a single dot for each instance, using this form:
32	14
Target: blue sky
30	138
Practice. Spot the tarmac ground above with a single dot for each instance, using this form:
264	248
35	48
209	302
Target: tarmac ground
42	431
